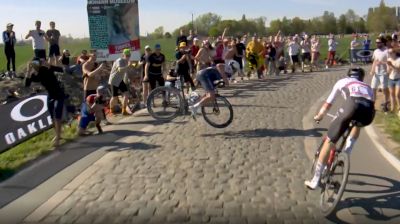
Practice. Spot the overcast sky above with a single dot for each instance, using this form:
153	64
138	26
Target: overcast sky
71	16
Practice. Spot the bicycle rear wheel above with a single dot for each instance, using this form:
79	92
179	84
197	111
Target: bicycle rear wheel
334	183
218	113
165	103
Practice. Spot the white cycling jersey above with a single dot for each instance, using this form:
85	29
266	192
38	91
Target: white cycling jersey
351	87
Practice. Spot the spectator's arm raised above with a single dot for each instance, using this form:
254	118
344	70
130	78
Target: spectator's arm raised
29	34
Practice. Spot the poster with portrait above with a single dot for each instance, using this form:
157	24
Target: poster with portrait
113	27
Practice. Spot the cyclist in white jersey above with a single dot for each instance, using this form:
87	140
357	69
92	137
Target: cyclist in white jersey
358	107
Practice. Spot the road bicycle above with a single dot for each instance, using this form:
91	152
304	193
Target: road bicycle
335	175
167	102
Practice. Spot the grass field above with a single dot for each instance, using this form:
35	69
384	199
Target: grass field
25	53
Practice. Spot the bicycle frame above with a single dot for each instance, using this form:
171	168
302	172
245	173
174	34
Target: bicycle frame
334	150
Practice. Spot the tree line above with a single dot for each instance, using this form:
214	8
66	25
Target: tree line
379	19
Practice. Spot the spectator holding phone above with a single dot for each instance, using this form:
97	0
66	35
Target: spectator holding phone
92	73
53	37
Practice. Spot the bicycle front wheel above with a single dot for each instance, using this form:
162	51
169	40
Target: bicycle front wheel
218	113
334	183
165	103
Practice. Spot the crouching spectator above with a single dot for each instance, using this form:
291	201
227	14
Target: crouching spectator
92	110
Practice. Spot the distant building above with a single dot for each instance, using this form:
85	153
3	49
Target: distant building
395	9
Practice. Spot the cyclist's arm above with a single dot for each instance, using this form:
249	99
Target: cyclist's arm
331	99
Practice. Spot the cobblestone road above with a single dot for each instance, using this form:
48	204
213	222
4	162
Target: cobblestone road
188	172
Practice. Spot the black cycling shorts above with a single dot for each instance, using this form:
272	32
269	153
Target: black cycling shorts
115	89
355	109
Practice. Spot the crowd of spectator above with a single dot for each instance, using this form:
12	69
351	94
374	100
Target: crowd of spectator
244	57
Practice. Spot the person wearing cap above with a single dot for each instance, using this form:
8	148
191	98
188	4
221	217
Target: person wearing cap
40	71
116	81
54	47
9	41
181	38
38	41
155	68
183	63
142	63
379	71
92	110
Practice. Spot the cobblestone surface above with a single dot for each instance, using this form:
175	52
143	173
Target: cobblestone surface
188	172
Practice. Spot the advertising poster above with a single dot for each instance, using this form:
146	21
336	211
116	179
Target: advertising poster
113	27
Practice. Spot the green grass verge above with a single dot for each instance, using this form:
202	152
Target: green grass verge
390	123
14	159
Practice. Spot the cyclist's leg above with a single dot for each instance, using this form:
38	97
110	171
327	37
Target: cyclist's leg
335	131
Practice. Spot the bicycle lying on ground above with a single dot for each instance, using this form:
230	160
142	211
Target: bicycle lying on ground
167	102
335	175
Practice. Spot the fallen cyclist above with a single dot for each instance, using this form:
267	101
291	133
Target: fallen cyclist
358	106
92	110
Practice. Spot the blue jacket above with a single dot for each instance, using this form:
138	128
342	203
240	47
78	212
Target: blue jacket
10	42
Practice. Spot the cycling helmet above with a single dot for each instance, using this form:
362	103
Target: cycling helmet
357	73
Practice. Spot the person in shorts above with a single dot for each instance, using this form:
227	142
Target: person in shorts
92	110
358	106
379	71
155	68
207	77
38	41
394	80
116	81
53	37
40	71
294	51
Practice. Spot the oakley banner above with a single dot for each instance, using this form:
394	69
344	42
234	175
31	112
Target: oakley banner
113	27
360	55
23	119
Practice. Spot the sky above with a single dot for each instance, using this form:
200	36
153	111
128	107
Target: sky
71	17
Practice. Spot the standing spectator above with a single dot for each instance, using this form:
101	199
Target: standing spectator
194	49
379	71
183	58
38	41
190	38
203	58
394	80
240	53
332	44
271	59
53	37
39	71
142	62
181	38
315	48
9	41
80	60
353	50
294	51
254	51
155	68
116	81
366	47
305	52
92	73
